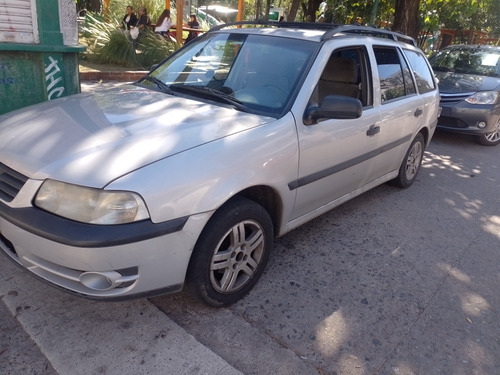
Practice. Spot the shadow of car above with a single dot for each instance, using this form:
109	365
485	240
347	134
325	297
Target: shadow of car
469	85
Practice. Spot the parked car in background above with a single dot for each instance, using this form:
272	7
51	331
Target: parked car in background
186	176
469	85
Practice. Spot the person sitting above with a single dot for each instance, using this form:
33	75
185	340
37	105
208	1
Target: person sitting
164	23
142	25
144	22
192	24
129	19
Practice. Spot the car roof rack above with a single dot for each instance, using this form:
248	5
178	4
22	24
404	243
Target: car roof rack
331	29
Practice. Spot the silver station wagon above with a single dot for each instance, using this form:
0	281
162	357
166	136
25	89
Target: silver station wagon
184	178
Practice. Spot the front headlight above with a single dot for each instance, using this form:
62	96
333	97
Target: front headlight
90	205
483	97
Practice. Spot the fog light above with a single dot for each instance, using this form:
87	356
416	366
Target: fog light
101	280
481	124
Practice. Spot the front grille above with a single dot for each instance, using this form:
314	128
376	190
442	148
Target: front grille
10	183
454	98
451	122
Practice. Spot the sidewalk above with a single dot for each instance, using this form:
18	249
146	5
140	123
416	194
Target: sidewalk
47	332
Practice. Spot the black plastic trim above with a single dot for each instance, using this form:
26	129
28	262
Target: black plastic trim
347	164
331	29
73	233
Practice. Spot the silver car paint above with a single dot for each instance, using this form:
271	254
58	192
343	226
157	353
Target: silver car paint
208	160
207	176
92	140
333	142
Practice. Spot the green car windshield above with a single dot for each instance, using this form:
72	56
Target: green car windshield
258	72
484	62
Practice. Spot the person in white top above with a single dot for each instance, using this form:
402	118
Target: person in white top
164	23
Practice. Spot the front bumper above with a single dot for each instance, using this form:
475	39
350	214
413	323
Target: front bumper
464	118
100	262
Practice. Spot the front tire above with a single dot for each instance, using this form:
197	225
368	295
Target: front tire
411	163
231	253
490	139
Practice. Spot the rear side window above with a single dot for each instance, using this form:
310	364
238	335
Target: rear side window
421	71
395	76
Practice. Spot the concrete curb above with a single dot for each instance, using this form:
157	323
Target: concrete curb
118	76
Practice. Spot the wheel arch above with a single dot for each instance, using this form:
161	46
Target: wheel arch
268	198
208	267
425	133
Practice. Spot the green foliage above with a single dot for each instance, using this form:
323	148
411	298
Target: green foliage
461	15
109	44
434	14
154	49
116	49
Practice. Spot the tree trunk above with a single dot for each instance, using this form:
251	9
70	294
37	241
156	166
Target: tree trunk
268	8
95	5
294	8
312	7
406	17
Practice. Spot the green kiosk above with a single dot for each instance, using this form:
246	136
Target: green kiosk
38	52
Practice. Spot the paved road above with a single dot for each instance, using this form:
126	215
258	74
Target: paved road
392	282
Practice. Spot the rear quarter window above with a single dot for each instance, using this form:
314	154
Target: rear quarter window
421	71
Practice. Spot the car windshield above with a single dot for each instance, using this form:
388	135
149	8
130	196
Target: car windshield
255	73
484	62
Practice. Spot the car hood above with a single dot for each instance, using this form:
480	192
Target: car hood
91	139
455	83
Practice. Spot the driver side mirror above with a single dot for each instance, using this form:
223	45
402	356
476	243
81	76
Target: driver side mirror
334	107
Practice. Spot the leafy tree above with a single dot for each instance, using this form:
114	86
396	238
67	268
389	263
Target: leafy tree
461	15
408	16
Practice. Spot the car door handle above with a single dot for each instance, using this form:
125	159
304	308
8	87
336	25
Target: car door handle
373	130
418	112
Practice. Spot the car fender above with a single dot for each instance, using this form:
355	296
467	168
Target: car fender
203	178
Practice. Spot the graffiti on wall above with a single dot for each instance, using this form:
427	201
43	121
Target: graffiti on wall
54	79
5	81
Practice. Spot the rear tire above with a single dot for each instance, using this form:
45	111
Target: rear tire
231	253
411	163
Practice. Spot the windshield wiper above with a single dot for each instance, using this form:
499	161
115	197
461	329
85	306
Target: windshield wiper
162	86
442	69
211	94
